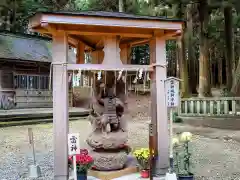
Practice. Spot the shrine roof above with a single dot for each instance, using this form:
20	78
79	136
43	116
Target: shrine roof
112	15
89	27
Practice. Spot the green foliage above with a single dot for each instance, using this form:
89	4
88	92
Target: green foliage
20	10
103	5
176	118
140	55
183	164
81	5
226	93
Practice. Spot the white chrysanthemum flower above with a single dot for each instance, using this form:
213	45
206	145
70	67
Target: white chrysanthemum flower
186	136
175	141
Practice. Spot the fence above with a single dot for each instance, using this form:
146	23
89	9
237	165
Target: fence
216	106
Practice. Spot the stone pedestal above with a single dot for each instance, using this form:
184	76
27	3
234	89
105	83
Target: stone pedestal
109	151
109	161
107	141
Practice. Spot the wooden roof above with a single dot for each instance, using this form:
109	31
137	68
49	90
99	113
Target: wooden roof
112	15
90	26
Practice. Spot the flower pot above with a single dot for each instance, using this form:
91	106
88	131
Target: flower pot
82	176
144	173
71	173
186	177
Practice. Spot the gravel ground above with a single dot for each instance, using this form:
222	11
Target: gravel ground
215	156
216	159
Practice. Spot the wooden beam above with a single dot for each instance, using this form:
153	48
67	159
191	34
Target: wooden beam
35	21
80	53
72	41
49	27
131	40
99	44
92	46
94	30
108	21
98	33
167	36
173	34
140	42
106	67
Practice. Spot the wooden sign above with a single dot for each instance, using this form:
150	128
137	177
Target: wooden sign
172	92
151	148
73	144
30	135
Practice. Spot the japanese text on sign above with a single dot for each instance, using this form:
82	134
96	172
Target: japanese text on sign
172	92
73	144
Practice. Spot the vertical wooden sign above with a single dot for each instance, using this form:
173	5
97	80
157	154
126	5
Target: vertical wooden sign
73	150
151	148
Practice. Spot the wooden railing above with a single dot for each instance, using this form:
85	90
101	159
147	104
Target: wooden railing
36	98
217	106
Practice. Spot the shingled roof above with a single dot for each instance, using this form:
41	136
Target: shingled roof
27	47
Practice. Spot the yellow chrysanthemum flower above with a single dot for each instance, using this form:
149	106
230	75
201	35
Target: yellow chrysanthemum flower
143	153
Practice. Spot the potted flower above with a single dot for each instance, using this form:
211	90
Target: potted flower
183	156
84	162
143	157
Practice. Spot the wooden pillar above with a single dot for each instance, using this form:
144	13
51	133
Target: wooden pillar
80	53
129	51
97	57
100	56
94	56
159	108
112	50
60	105
124	53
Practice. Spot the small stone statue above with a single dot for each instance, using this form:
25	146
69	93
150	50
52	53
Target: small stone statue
111	119
109	135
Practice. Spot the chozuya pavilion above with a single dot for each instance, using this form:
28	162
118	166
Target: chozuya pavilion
109	36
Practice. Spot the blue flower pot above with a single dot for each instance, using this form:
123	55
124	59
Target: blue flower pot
185	177
81	176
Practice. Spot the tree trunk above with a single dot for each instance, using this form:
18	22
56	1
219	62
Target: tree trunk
13	17
182	61
177	61
220	65
121	5
183	66
236	81
229	55
204	64
191	51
